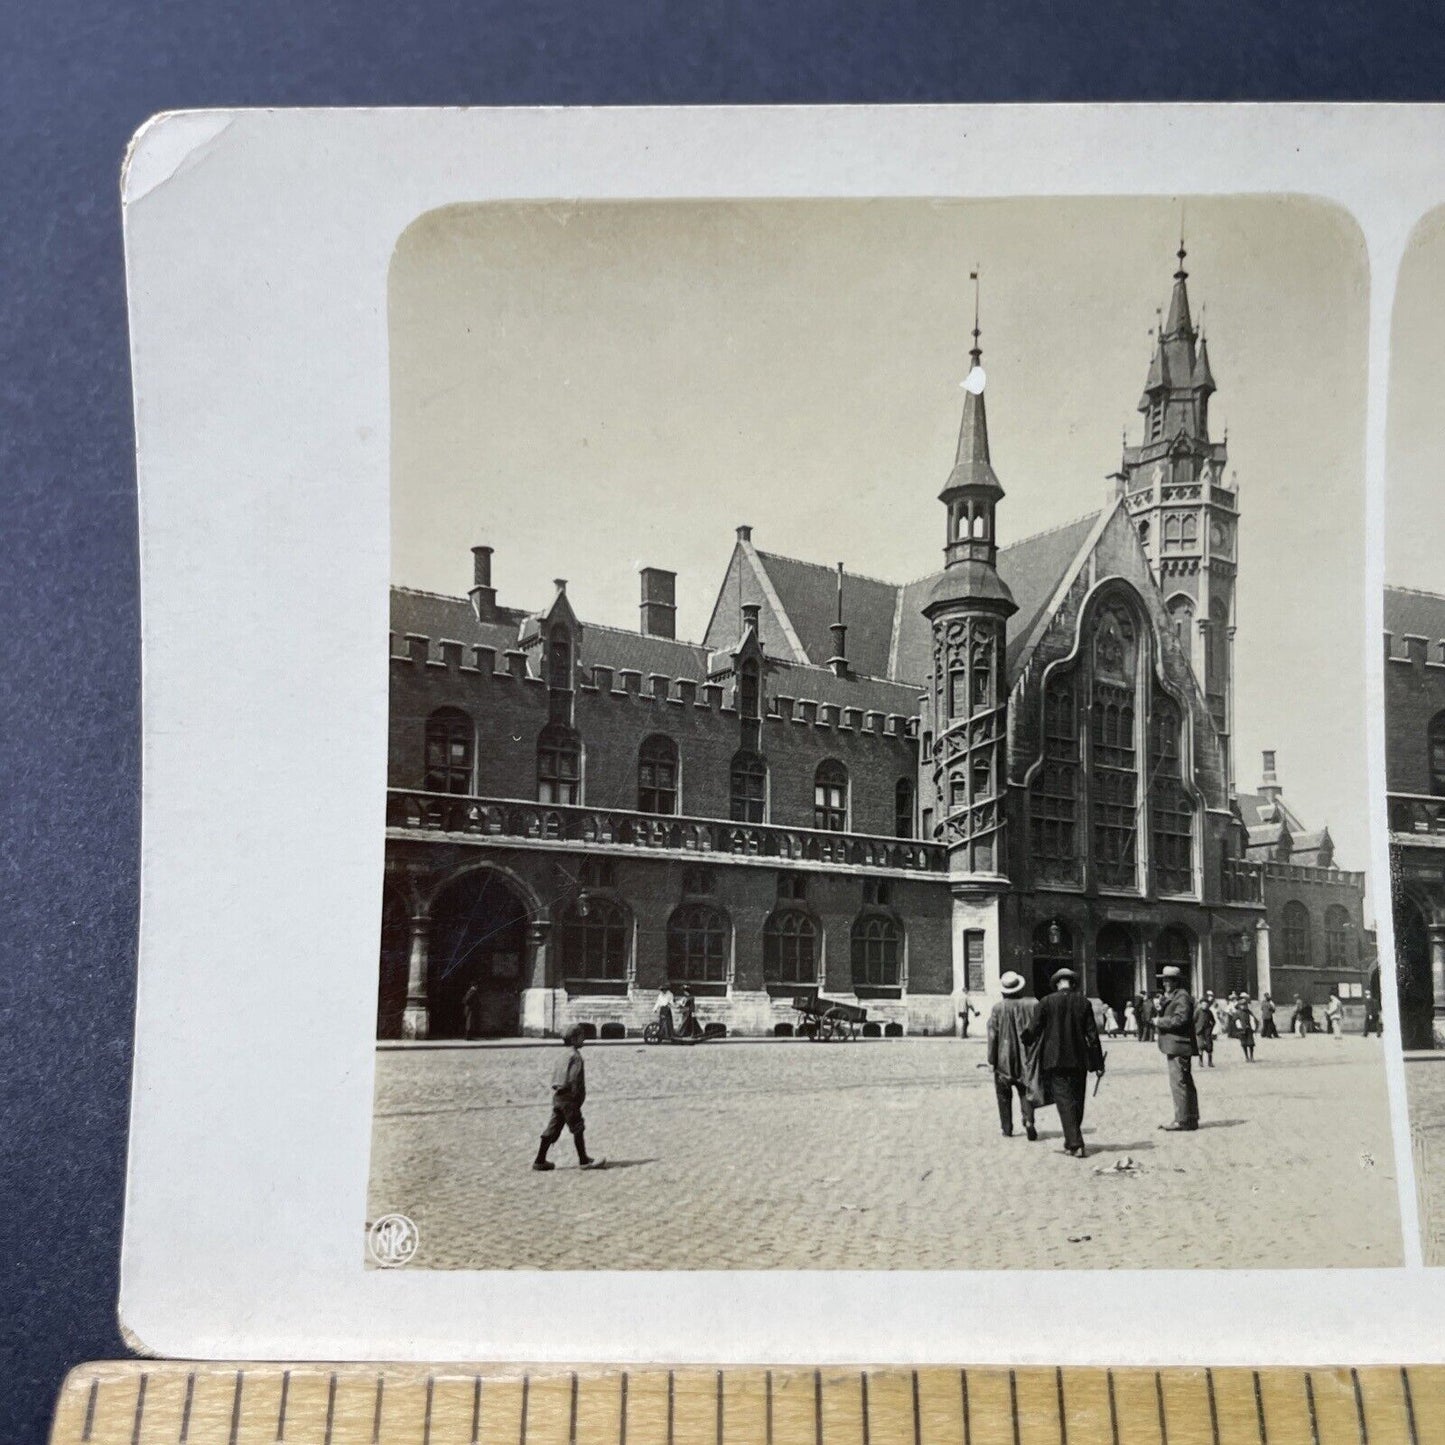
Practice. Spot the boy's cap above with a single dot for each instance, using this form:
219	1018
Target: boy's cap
575	1035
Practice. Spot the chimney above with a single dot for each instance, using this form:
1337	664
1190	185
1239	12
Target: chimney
659	602
745	534
751	612
839	660
1269	784
483	594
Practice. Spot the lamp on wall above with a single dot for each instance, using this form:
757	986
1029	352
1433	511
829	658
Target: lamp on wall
1056	934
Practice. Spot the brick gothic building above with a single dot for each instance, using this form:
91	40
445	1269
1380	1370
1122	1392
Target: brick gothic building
892	792
1415	780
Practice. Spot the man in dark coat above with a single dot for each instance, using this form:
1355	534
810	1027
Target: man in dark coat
1009	1056
1064	1033
1174	1026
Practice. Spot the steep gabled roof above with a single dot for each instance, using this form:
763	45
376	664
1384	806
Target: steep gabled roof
809	592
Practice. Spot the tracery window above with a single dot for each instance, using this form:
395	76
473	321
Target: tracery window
1114	772
1189	532
1181	614
450	751
697	944
830	797
1337	938
748	789
1054	793
657	775
559	765
790	944
593	936
877	951
1296	932
981	694
1171	809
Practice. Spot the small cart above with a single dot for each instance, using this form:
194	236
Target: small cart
825	1019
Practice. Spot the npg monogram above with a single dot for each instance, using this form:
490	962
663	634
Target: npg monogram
392	1240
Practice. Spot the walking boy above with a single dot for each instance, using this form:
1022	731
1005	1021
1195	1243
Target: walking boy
569	1089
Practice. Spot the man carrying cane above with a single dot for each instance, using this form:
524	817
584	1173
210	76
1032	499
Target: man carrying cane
1174	1025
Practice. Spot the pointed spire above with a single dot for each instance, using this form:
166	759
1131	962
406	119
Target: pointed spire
972	465
1179	323
1203	378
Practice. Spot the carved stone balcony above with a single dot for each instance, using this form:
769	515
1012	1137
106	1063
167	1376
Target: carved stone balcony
519	821
1416	814
1243	882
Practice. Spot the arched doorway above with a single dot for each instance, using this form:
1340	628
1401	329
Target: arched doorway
395	948
1053	949
1412	976
1114	967
478	936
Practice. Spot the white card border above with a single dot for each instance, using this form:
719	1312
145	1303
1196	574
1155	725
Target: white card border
257	246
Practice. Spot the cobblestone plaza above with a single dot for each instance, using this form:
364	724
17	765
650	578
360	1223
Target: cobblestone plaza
885	1155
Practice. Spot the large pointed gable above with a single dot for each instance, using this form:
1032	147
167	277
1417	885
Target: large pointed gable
1032	568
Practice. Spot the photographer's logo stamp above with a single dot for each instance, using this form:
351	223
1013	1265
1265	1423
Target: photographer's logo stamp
392	1240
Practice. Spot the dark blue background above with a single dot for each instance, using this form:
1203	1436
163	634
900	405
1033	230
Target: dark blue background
75	81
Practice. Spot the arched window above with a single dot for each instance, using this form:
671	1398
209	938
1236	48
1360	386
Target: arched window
1296	932
1171	530
1053	949
957	690
981	686
790	948
1181	614
1437	755
1189	532
559	765
749	690
559	660
450	751
593	938
830	797
903	808
1114	772
1170	807
698	938
1053	794
1144	533
1337	938
877	948
748	789
657	775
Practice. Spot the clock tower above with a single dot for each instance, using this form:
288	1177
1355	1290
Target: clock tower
1184	509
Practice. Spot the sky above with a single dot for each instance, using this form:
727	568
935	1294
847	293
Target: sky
1414	494
594	388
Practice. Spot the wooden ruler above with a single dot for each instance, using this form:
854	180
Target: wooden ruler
168	1403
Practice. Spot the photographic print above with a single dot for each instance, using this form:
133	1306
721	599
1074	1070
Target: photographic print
875	753
1415	708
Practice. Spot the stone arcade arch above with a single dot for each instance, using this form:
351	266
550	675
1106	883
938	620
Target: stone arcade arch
478	935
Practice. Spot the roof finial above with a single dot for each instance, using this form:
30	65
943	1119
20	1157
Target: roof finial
1181	273
976	354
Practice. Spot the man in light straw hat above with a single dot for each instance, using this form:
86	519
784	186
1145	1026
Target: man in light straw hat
1067	1039
1174	1025
1009	1057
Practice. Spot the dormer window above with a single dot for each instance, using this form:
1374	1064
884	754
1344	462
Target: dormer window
559	661
749	690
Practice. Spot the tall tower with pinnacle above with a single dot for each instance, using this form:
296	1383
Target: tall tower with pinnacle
965	763
1185	509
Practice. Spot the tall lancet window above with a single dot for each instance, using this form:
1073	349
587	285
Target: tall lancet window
1054	792
1170	808
1114	771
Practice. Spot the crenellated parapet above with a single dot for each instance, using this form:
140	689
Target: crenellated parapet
478	668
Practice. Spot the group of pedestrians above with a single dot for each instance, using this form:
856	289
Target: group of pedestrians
1234	1018
1042	1052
